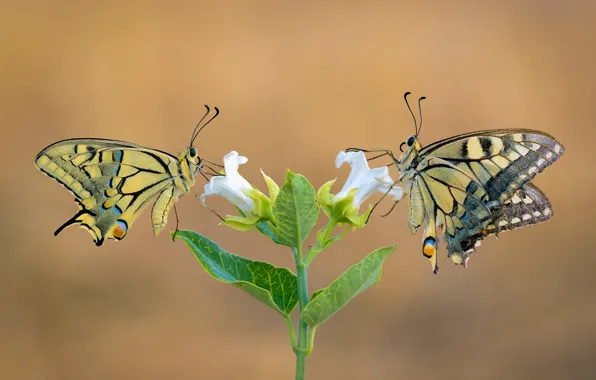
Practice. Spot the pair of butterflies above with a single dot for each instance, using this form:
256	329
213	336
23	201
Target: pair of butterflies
467	186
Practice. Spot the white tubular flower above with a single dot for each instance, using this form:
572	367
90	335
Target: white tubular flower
232	185
362	183
365	179
253	204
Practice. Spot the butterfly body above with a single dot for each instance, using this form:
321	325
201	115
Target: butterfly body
473	185
113	181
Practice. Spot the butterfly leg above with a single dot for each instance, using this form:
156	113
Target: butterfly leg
177	224
384	152
390	210
208	208
380	200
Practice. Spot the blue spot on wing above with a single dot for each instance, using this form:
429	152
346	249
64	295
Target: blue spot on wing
122	225
117	157
117	210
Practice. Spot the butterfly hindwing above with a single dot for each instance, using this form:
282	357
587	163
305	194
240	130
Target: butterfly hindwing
447	199
112	182
528	206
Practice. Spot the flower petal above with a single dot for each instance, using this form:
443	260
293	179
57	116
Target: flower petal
226	188
359	165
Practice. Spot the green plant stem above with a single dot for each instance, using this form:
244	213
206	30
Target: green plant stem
291	330
302	348
311	339
328	229
321	241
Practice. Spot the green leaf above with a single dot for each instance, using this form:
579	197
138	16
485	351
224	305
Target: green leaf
315	294
266	229
296	210
275	287
359	277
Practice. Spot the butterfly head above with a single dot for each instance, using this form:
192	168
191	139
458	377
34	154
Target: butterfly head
409	149
192	156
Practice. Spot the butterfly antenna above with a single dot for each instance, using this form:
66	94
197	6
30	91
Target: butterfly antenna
207	123
411	113
193	136
420	110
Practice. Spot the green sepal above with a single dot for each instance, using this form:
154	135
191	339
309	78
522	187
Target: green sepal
344	207
359	221
275	287
341	210
359	277
265	227
324	196
262	204
241	223
272	186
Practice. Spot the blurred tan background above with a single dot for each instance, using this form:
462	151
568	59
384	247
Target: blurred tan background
295	84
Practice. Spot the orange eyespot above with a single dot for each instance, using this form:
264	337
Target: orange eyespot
119	230
429	247
429	251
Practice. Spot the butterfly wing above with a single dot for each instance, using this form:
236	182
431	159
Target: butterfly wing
112	182
528	206
502	160
445	197
499	165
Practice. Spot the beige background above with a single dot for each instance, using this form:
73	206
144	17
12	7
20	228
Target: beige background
296	84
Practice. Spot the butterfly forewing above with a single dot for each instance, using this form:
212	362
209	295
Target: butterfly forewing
501	160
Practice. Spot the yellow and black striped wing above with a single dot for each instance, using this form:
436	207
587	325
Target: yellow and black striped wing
112	182
528	206
444	197
499	165
502	160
